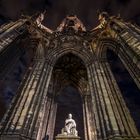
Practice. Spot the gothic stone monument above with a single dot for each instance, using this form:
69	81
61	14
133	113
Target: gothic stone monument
30	58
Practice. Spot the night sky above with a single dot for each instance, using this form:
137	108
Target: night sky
86	10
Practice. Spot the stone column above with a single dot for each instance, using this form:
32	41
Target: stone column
52	118
124	119
89	122
112	117
25	111
43	126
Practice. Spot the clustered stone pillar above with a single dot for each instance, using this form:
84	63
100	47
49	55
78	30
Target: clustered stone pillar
89	123
25	113
112	117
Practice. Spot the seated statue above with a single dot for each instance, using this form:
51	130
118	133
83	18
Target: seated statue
70	127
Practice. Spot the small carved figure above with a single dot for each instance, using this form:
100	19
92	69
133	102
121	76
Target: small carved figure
39	20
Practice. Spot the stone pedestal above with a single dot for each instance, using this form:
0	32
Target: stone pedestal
14	137
66	137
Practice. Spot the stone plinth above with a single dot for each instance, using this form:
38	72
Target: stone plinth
66	137
14	137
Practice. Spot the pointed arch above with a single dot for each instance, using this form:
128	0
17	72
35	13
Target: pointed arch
124	53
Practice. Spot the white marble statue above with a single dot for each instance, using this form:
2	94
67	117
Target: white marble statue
70	126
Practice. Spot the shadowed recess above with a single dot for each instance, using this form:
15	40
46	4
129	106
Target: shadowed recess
69	101
71	75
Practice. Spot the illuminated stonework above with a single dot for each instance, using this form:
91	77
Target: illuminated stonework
69	57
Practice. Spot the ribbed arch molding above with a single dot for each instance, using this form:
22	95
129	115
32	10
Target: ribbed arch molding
124	53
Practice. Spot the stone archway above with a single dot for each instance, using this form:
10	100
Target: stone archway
72	62
126	55
71	73
123	118
126	58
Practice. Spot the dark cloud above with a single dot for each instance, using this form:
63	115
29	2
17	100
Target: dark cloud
86	10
